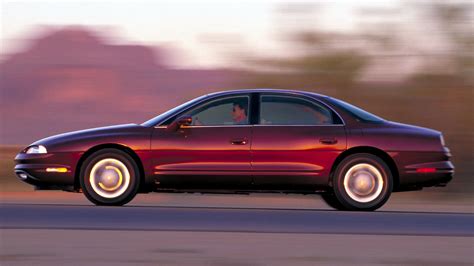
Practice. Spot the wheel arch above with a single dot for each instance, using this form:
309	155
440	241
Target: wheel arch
116	146
370	150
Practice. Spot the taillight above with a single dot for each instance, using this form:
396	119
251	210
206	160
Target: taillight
426	170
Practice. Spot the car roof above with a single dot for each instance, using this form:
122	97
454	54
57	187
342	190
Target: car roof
283	91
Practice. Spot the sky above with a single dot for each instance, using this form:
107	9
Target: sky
195	30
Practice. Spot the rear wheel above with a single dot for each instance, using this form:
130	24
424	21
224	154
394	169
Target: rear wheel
109	177
332	201
362	182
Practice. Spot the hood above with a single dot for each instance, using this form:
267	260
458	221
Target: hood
93	132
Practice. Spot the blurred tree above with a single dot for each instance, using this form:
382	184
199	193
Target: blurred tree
455	22
319	63
322	61
315	57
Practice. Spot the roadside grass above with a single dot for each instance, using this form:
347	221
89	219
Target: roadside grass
8	179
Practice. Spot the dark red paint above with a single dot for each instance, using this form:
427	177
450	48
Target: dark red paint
254	157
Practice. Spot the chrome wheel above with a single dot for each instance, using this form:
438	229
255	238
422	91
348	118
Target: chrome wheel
363	182
109	178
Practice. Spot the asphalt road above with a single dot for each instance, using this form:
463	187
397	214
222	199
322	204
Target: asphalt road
59	228
255	220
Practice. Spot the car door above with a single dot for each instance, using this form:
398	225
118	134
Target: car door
214	150
295	141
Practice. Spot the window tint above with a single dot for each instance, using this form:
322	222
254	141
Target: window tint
284	110
227	111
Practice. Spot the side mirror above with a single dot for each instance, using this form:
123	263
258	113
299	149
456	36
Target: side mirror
181	121
185	120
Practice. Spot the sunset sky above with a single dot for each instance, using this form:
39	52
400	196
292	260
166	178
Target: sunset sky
193	29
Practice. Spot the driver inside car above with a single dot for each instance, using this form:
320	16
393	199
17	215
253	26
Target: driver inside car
238	114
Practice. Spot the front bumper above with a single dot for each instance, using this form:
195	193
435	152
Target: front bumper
35	169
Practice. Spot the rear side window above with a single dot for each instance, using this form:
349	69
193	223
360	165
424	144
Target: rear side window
287	110
358	113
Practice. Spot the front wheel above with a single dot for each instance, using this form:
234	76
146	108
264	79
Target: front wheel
109	177
362	182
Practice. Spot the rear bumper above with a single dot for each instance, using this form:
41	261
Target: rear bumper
418	169
428	174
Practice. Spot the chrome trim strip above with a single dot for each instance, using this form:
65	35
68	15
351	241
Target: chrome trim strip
258	125
208	126
270	125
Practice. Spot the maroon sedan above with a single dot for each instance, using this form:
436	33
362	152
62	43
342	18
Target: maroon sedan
259	140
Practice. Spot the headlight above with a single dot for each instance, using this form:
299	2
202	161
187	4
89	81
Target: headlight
36	149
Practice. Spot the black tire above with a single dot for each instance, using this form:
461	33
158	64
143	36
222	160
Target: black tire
332	201
378	193
130	187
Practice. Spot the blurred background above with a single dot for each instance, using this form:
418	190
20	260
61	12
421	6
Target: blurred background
70	65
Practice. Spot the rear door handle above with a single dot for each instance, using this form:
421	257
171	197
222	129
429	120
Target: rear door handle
238	141
328	141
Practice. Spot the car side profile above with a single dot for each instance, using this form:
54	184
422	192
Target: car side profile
245	141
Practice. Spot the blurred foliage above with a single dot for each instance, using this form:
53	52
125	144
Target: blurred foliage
321	63
456	24
8	179
322	58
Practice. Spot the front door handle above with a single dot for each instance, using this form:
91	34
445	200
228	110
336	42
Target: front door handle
238	141
328	141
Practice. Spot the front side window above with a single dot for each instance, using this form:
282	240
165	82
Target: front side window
284	110
228	111
157	119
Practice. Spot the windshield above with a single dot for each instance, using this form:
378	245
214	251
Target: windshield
355	111
157	119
